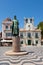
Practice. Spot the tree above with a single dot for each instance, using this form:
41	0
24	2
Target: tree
40	25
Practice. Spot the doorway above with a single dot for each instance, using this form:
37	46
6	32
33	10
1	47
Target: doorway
29	42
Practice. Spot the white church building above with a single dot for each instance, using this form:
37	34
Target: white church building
30	35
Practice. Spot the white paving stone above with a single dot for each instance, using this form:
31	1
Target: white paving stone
34	56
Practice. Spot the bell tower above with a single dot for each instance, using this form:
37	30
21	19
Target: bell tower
29	23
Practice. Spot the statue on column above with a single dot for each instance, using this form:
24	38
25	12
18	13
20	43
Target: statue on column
15	35
15	27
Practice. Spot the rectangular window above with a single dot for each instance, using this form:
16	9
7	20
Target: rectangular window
29	35
30	20
36	35
8	34
21	35
26	20
6	27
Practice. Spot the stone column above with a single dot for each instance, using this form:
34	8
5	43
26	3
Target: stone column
16	43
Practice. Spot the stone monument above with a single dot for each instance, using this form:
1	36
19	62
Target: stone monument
15	34
16	40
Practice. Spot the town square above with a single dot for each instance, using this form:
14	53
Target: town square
21	32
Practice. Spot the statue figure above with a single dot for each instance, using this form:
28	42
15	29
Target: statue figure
15	27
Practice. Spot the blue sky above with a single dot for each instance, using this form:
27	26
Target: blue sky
21	8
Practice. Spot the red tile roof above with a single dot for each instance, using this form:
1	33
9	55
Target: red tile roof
6	20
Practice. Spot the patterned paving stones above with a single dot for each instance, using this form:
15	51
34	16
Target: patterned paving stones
4	63
34	56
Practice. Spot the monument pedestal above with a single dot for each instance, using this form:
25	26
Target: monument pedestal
16	44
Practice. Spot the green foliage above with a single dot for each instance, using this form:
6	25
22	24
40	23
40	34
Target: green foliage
40	25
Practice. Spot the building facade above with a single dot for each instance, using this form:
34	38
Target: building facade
29	35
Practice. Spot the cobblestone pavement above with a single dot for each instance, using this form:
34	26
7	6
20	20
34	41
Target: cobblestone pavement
34	56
